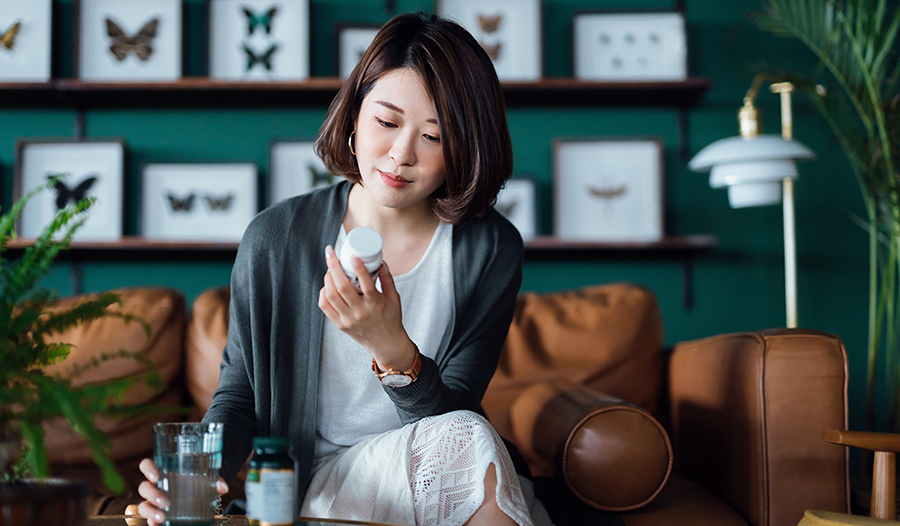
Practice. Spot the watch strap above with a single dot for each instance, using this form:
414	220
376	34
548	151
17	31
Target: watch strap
412	373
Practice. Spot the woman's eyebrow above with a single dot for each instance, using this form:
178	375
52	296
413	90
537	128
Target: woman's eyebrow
393	107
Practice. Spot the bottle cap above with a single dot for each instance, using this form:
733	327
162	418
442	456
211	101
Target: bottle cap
365	243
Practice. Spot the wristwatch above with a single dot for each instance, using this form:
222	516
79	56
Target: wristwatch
394	378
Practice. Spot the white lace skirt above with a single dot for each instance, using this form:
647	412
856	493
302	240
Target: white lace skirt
427	473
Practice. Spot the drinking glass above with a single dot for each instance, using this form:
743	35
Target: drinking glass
188	457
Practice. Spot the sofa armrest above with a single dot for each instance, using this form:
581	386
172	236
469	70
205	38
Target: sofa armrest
747	415
611	454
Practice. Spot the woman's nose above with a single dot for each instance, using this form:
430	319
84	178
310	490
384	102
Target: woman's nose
402	150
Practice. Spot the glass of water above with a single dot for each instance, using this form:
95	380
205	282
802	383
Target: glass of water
188	457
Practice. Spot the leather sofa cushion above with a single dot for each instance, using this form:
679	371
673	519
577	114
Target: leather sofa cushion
613	455
207	333
606	337
164	310
758	403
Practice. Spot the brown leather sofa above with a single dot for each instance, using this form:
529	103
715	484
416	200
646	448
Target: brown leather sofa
724	430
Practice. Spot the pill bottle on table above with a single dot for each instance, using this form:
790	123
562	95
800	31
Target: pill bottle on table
271	488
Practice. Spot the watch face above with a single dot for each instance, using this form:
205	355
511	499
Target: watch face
396	380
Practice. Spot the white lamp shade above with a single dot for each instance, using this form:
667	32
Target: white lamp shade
752	169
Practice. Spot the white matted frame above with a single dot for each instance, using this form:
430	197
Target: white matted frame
199	202
616	46
351	41
94	168
608	190
294	169
509	30
259	40
25	30
517	201
128	40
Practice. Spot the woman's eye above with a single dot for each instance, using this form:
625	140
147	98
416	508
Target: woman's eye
433	139
386	124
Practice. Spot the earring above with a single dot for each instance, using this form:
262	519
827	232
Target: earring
350	142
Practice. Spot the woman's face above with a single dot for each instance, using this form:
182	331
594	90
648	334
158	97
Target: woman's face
398	141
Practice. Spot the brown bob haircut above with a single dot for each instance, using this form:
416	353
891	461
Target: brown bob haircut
462	84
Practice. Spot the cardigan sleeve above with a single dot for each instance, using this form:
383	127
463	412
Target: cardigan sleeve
233	401
485	298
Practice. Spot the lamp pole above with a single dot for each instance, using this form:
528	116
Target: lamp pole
790	246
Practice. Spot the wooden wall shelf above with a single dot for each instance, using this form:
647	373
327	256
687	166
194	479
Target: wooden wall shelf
319	91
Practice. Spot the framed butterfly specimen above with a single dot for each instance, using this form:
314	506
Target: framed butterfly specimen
510	31
128	40
258	40
608	189
623	46
294	169
198	202
351	41
25	40
517	201
87	169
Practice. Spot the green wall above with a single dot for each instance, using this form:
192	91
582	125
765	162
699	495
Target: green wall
738	286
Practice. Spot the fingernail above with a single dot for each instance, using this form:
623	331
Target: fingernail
161	502
222	486
152	477
159	517
328	252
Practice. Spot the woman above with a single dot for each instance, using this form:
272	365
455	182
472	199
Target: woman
419	131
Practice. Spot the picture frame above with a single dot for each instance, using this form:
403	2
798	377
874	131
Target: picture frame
259	40
511	31
128	41
629	46
608	189
93	168
26	36
197	202
351	41
517	202
295	168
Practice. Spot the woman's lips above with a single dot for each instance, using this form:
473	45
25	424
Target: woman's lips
394	181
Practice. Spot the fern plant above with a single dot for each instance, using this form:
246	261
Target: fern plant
29	396
856	44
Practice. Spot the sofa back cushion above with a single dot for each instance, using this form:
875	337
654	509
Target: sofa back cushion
164	310
207	333
606	337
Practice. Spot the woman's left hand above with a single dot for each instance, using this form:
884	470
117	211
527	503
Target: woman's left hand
373	319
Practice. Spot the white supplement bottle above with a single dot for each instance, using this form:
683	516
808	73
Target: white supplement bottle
364	243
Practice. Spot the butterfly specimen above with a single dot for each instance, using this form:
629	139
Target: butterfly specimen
181	204
607	193
65	195
319	178
141	43
8	39
264	20
489	24
493	51
219	203
265	59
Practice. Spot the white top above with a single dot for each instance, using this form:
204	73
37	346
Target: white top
352	403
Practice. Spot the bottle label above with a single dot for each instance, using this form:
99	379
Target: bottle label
270	496
354	279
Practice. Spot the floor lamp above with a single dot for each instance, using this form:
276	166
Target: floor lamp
759	170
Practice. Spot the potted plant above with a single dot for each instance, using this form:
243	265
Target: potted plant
856	44
29	396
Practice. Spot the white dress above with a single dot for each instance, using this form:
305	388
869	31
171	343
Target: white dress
368	465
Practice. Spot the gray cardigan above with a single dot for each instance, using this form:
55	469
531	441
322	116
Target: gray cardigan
268	383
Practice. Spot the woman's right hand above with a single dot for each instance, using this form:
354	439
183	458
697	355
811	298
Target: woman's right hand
155	500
